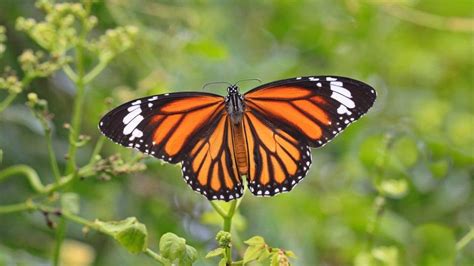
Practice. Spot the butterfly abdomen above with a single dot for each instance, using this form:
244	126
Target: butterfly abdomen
240	148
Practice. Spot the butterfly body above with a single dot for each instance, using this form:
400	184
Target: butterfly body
234	104
265	134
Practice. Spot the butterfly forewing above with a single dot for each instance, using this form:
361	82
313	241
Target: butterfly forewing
164	126
313	108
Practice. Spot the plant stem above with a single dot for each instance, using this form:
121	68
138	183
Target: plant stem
96	71
228	217
97	149
7	101
157	257
17	207
70	73
34	179
227	226
52	155
379	206
465	240
28	172
218	209
77	109
60	233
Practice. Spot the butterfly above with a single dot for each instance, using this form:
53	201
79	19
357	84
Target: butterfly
265	134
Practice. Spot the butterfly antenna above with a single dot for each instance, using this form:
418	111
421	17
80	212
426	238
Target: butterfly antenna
215	82
242	80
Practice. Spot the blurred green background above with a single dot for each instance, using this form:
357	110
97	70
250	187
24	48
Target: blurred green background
413	153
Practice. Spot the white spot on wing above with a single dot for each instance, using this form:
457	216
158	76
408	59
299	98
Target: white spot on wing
133	107
330	79
343	99
136	102
132	125
313	79
131	115
341	90
343	110
136	133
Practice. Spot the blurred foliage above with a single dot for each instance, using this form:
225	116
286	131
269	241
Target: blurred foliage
396	188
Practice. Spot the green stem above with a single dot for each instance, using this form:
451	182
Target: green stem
465	240
96	71
77	109
28	172
7	101
97	149
70	73
373	226
228	217
227	226
218	209
157	257
60	233
52	156
34	179
18	207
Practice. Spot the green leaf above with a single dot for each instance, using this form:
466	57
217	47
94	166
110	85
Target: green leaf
134	238
290	254
130	233
253	252
371	150
223	262
256	240
172	246
215	252
395	188
275	259
70	202
190	255
433	245
1	155
405	152
364	259
440	168
387	255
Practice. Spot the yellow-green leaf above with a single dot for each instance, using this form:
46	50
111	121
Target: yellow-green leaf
215	252
172	246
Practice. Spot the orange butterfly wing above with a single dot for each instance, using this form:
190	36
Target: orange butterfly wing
277	160
314	109
191	128
164	126
285	118
210	168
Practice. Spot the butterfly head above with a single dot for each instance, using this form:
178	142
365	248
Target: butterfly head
233	89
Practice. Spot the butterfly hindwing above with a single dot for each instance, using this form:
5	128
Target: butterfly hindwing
164	126
210	167
314	108
277	160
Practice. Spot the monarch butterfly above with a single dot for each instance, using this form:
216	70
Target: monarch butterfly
265	134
